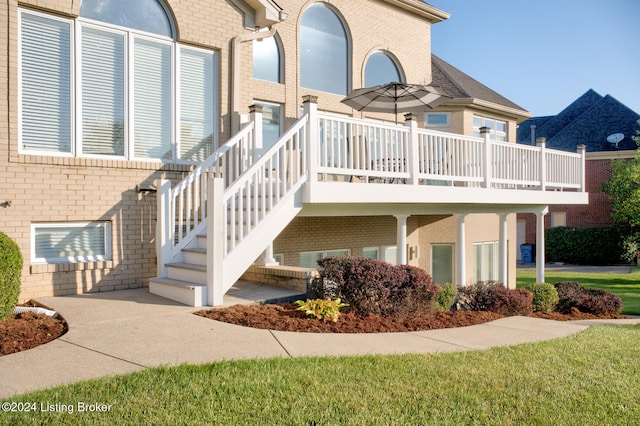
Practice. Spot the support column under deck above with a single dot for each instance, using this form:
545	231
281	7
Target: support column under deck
401	239
461	249
267	259
503	277
540	261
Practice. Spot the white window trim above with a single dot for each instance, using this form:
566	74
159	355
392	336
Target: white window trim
494	134
323	253
72	95
106	226
376	249
440	127
76	90
495	267
381	252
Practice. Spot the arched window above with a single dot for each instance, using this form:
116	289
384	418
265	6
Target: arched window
266	59
381	69
324	51
143	15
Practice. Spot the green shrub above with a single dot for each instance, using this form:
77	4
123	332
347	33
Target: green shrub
601	245
446	297
372	286
545	296
589	300
322	309
10	274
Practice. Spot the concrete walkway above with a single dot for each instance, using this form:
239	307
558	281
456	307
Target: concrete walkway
124	331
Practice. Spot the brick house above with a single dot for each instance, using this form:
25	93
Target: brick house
590	120
182	144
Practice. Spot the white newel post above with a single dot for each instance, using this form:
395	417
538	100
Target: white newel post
401	239
216	241
542	144
414	167
310	105
461	249
503	250
582	150
164	222
255	113
540	245
485	133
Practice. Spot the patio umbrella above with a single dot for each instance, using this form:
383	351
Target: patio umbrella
394	97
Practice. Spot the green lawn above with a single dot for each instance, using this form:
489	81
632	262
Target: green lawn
590	378
627	286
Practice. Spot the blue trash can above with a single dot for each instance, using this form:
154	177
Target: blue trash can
526	253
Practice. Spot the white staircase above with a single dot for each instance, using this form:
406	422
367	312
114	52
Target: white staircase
215	223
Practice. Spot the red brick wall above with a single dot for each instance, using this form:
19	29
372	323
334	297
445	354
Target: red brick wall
596	213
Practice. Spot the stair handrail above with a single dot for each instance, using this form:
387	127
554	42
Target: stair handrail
184	208
290	150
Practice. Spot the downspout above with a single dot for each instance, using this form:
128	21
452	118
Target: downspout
235	71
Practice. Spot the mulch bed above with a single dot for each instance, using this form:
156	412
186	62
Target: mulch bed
27	330
285	317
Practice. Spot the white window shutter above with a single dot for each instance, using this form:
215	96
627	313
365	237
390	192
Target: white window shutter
45	84
152	100
103	92
71	241
196	104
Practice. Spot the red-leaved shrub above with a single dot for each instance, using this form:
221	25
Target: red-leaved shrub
589	300
375	287
492	296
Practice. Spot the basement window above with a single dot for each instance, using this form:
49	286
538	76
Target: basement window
70	242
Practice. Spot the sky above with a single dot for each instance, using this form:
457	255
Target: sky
544	54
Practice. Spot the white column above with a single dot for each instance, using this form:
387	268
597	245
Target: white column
414	160
485	133
310	104
461	248
216	241
504	278
401	239
267	259
542	143
582	150
255	112
540	245
164	224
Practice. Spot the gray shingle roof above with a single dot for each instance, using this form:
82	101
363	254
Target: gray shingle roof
457	84
588	120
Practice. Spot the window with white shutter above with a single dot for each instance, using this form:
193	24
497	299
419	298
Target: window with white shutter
70	242
45	84
120	89
103	92
152	99
196	103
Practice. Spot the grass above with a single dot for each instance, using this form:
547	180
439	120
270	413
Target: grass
590	378
626	286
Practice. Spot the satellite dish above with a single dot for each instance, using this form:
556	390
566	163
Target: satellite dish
615	138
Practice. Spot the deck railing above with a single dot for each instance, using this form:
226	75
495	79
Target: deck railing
373	152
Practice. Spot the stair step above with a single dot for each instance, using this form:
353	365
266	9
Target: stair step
185	265
189	272
195	255
181	291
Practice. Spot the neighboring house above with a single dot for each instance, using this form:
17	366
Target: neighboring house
132	158
591	120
